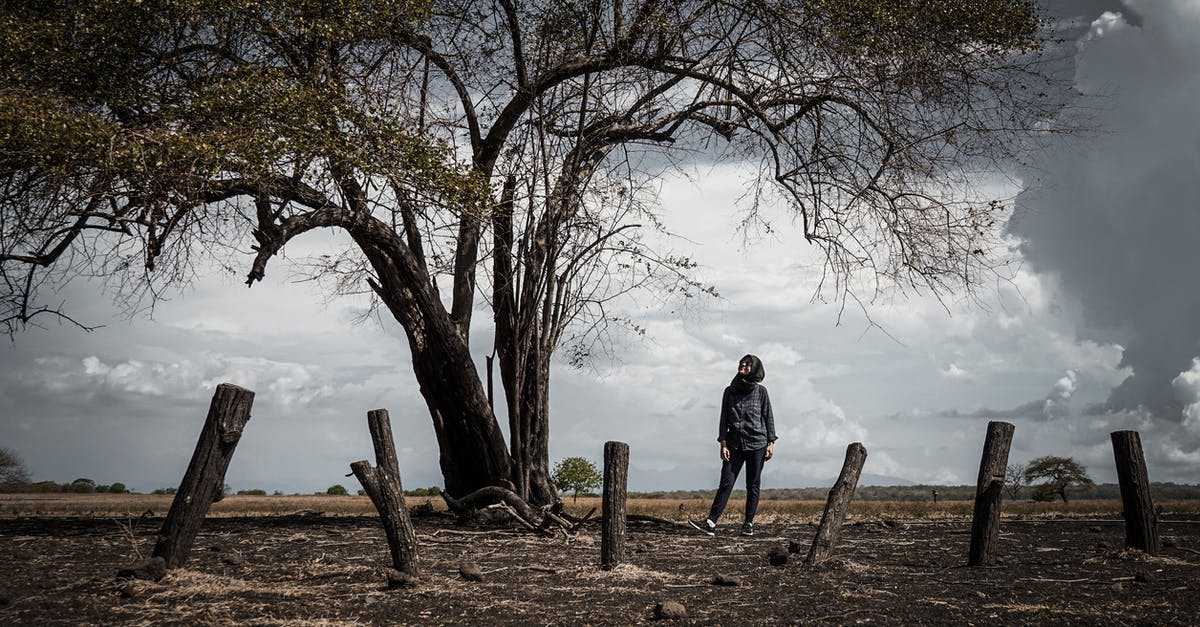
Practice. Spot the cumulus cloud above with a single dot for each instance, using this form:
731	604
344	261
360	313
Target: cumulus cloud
290	385
1187	390
1112	214
954	372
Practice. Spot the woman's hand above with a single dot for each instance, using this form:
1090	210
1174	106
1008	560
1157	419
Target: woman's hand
770	451
724	452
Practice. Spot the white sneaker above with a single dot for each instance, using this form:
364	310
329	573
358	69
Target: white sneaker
706	526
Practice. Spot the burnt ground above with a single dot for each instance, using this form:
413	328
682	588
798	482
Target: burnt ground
331	570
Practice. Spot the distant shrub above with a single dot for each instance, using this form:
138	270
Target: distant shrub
117	488
102	488
47	486
164	491
277	493
362	492
430	491
337	490
81	485
253	492
1044	494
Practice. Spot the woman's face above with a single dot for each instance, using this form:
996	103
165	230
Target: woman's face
744	367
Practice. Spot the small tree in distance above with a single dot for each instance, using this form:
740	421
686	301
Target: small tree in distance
1014	480
337	490
1059	472
13	474
576	474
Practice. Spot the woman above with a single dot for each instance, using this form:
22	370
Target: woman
747	436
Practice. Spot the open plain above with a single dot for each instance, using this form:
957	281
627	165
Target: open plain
325	562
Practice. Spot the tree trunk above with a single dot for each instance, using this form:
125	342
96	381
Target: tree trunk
532	462
524	361
612	531
204	479
836	506
471	445
985	524
1141	521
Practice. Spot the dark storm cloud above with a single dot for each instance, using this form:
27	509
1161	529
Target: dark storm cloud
1114	215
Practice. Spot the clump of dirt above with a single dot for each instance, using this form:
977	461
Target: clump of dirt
337	570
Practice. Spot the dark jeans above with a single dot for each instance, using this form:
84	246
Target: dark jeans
729	474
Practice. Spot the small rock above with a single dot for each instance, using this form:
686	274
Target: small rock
726	580
1142	576
1095	529
397	579
778	556
24	554
1117	587
470	571
152	569
128	591
794	547
233	559
669	610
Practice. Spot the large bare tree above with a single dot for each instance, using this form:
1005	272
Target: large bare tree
503	150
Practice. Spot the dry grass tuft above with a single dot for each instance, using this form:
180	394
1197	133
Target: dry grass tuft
627	573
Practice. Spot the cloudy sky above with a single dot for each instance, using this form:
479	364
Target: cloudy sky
1099	330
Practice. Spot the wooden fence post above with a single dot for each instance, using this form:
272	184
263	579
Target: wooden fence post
836	505
382	484
204	481
1141	521
985	524
616	474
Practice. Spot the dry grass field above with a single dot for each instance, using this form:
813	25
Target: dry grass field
124	505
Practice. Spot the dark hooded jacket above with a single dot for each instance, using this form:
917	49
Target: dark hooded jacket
747	422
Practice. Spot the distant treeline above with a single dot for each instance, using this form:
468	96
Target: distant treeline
1159	491
78	486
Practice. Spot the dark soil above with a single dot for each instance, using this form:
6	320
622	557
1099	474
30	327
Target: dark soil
326	570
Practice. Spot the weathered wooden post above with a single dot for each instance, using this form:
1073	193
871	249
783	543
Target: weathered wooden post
1141	521
204	481
836	505
985	524
382	484
612	506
